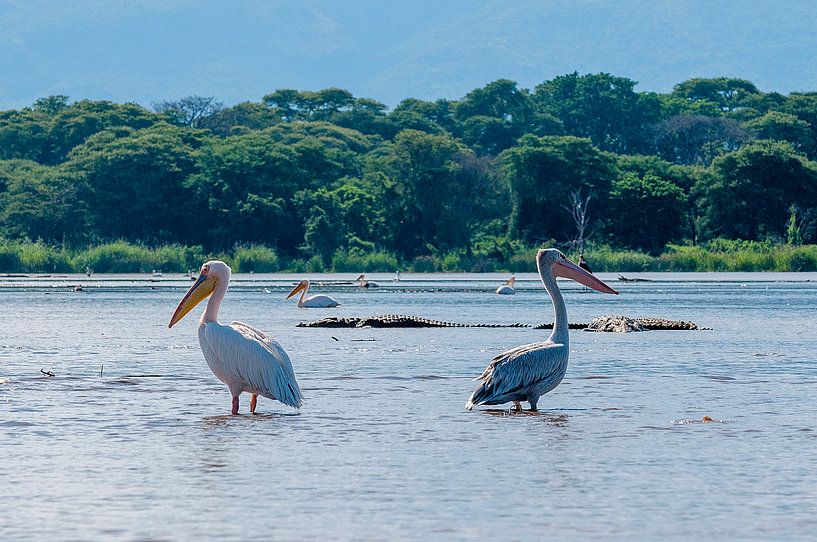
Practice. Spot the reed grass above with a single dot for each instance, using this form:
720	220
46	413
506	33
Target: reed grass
124	257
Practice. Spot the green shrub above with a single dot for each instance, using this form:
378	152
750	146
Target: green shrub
9	257
40	258
453	261
801	258
315	265
116	257
608	260
424	264
254	259
523	261
177	258
355	260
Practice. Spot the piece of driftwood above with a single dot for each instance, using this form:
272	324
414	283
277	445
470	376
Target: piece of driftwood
622	278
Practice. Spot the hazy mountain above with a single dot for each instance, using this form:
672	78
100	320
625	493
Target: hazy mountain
145	51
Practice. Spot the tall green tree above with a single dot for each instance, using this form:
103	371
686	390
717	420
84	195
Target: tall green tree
750	192
646	212
74	124
248	183
136	183
783	127
541	172
42	202
430	188
727	92
602	107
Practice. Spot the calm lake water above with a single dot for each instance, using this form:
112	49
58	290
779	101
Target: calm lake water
383	448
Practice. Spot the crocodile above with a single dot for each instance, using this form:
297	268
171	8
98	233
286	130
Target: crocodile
394	320
621	324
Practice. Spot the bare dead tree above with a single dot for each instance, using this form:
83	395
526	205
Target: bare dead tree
189	111
578	210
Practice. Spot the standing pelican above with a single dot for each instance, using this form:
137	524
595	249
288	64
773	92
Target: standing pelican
365	283
239	355
318	301
507	288
527	372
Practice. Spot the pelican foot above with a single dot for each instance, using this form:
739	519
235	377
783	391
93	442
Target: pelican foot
517	407
253	403
235	405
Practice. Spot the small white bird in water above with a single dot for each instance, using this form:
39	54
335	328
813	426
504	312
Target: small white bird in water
317	301
527	372
238	354
507	288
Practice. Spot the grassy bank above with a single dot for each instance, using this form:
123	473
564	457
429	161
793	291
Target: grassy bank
122	257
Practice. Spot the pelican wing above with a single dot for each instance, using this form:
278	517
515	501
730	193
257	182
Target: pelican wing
255	360
320	301
514	370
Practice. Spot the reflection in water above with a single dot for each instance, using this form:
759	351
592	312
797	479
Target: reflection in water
557	420
212	422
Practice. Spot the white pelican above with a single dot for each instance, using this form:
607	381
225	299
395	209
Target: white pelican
318	301
365	283
239	355
507	288
527	372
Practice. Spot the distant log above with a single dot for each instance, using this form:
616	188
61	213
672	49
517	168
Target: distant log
622	278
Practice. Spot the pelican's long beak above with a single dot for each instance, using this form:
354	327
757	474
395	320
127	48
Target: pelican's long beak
569	270
202	288
301	286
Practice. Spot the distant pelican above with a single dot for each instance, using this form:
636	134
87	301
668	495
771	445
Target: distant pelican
507	288
397	276
365	283
527	372
239	355
155	276
318	301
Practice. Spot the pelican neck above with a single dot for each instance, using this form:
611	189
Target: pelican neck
303	295
214	303
561	328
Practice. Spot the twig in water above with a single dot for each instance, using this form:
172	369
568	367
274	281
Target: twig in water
46	373
101	368
335	338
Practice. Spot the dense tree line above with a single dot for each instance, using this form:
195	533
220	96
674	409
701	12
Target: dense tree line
314	173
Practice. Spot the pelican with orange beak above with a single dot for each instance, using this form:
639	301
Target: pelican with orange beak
507	288
238	354
317	301
527	372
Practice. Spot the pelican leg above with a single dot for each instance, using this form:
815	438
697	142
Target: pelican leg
517	406
533	401
235	404
253	402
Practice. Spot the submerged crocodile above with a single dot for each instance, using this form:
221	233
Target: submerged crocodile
621	324
393	320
